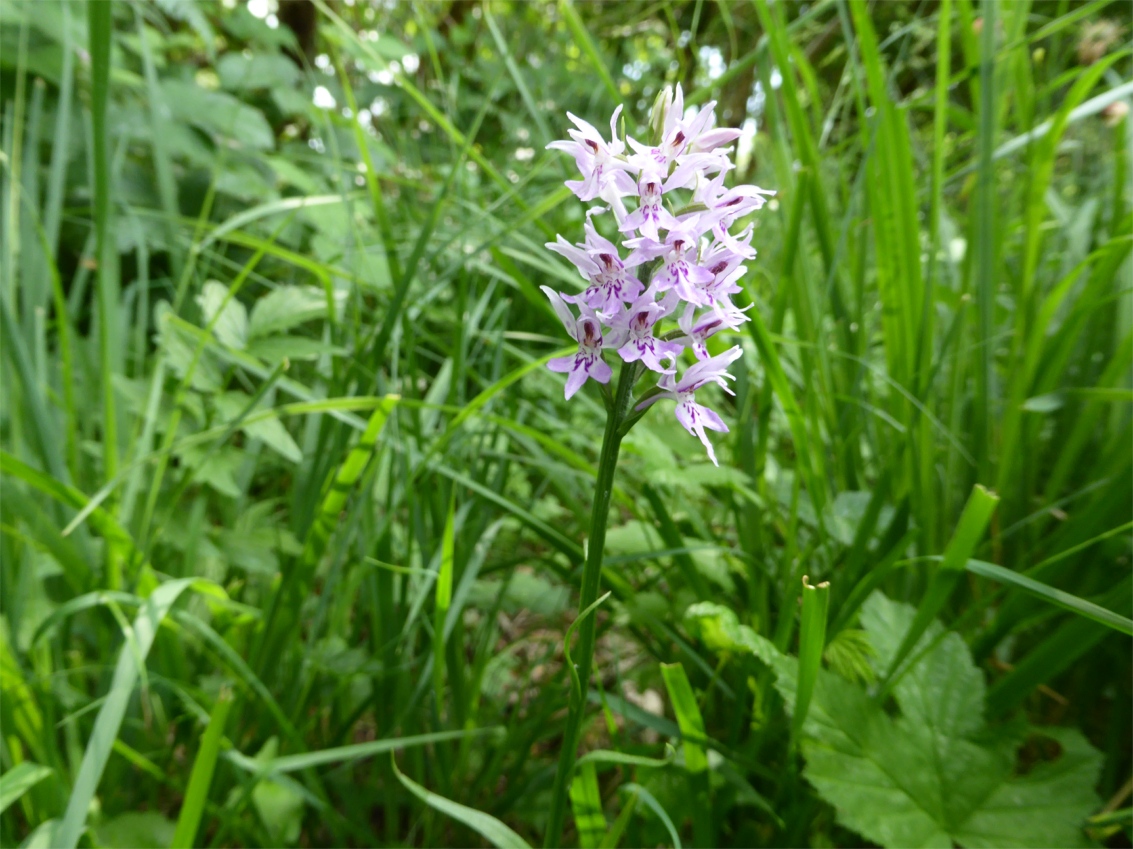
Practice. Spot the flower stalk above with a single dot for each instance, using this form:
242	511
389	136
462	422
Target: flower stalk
682	267
617	414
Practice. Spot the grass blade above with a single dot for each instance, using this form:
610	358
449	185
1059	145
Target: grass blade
487	826
1055	596
583	39
113	710
969	531
20	779
812	641
193	807
696	761
651	802
586	804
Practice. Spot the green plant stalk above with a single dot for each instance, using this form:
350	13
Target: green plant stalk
812	641
591	578
196	796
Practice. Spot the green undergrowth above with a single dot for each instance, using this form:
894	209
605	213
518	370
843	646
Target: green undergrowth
292	515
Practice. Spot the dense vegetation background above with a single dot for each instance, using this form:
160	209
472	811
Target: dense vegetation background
238	573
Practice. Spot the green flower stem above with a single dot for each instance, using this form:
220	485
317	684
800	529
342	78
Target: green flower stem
616	416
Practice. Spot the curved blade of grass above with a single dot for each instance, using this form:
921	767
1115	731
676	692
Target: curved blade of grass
608	756
651	801
1091	107
486	825
192	808
19	780
113	710
583	40
357	751
1052	656
576	684
79	603
1055	596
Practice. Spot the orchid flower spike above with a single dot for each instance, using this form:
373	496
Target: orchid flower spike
684	230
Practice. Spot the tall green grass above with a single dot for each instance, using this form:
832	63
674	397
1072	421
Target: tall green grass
287	492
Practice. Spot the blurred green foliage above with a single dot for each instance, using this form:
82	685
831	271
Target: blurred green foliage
271	324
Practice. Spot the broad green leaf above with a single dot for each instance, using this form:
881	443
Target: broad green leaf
271	431
135	830
238	72
284	307
279	805
935	775
274	349
218	112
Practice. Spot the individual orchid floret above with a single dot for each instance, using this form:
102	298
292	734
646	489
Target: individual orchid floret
698	329
586	330
639	321
696	418
577	255
603	168
726	267
675	136
710	140
679	269
598	260
651	213
725	207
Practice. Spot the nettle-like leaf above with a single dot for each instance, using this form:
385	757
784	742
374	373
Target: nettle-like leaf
228	317
215	112
935	775
286	306
271	432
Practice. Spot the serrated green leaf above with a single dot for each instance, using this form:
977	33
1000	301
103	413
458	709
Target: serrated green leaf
218	112
936	776
285	307
270	431
228	317
216	468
